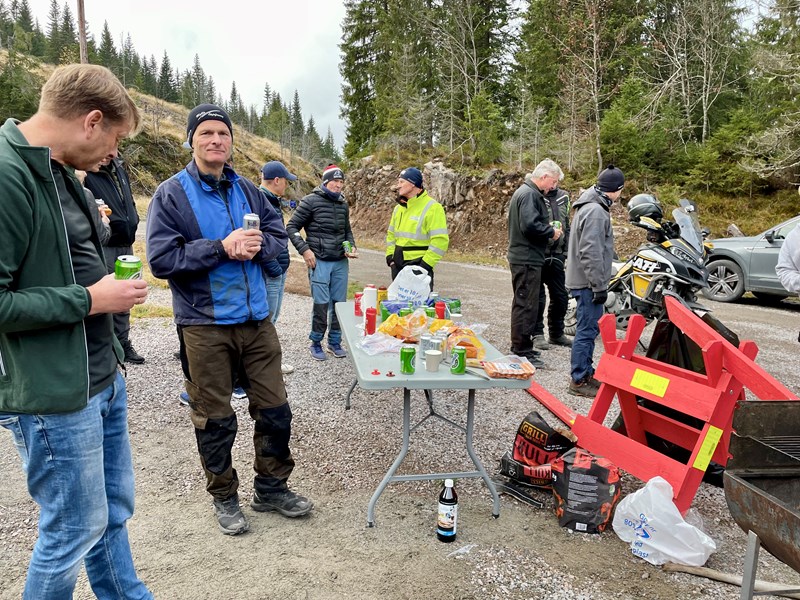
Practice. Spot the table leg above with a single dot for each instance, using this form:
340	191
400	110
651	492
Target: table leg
349	392
476	460
750	566
397	461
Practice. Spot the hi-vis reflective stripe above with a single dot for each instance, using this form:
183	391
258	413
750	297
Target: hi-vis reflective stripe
436	250
421	221
439	232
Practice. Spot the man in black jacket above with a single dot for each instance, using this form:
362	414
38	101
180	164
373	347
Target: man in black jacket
529	232
109	183
325	217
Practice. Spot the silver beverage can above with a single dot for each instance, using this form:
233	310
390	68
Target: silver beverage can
425	344
251	221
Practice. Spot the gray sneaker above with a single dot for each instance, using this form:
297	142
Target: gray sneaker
229	516
286	502
540	343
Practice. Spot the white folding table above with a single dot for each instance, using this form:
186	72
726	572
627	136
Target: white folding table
371	374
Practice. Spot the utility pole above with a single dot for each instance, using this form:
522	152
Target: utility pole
82	33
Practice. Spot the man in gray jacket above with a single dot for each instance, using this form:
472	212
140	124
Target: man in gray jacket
529	232
589	255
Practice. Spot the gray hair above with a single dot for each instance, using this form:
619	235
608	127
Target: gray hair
547	167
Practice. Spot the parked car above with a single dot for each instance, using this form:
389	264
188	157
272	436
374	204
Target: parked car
747	264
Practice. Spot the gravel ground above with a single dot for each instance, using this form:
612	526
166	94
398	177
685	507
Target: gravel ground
341	456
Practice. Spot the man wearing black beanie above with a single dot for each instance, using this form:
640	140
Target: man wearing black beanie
589	255
196	239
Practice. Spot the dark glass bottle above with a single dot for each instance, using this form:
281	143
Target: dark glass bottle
448	513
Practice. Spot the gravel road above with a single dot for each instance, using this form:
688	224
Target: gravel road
341	456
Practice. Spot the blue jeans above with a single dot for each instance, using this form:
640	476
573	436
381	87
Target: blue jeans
586	332
275	295
79	471
328	282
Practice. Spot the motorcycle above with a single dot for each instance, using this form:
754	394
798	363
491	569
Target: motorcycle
672	261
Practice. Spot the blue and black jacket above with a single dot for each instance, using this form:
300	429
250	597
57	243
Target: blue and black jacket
188	218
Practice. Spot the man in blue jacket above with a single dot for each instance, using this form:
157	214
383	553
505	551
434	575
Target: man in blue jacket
62	395
195	239
275	178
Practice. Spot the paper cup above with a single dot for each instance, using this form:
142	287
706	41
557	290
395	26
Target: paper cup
432	360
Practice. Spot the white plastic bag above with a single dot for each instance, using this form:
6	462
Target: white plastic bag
657	532
412	284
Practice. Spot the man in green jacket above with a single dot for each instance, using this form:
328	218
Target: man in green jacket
417	233
62	396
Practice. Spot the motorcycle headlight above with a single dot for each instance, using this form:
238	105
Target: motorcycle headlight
684	256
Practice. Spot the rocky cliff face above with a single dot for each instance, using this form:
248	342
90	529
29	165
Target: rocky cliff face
476	207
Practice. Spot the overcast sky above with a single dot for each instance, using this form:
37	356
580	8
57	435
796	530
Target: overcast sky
291	44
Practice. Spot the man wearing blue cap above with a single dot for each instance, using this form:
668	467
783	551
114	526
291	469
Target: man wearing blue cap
275	178
417	233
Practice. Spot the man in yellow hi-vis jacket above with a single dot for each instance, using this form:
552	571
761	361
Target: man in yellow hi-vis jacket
417	233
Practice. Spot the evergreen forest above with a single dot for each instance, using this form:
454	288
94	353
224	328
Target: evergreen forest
698	94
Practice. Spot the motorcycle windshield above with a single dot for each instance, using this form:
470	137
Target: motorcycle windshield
690	228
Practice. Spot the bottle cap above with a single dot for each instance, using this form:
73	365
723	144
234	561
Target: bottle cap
448	483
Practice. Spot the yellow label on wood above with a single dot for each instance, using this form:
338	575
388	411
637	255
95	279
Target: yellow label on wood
708	448
648	382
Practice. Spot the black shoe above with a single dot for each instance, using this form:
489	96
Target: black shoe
131	356
286	502
562	340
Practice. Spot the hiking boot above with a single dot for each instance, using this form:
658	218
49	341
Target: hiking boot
587	387
229	516
285	502
317	353
286	368
184	399
239	393
562	340
336	349
540	343
131	356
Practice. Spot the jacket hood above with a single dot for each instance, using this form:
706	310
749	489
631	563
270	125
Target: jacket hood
593	195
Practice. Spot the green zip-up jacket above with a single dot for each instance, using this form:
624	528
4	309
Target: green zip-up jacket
43	351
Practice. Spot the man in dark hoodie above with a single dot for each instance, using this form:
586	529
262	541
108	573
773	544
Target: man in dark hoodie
529	232
109	182
325	217
275	177
591	249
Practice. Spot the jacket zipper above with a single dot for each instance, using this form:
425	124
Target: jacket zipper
244	270
2	365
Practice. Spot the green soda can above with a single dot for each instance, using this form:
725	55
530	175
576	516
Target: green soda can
127	267
348	247
404	312
556	224
454	305
384	312
408	359
458	361
430	311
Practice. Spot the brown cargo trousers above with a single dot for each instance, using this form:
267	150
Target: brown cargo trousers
215	354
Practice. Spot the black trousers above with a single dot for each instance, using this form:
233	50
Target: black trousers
526	281
553	278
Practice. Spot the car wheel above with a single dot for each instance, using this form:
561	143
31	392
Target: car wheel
770	299
725	281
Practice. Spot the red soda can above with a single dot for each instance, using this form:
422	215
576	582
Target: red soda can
439	309
358	296
369	324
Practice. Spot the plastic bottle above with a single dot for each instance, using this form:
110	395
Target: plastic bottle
448	513
370	316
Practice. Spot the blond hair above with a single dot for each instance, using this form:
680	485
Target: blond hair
75	90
